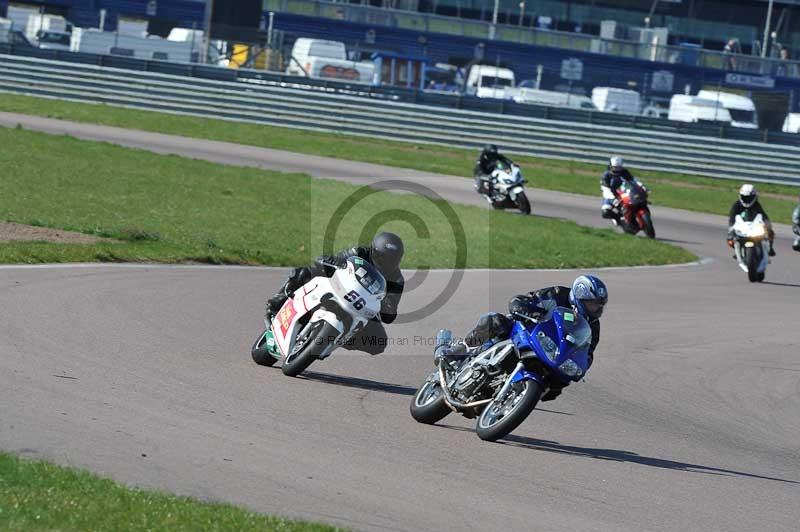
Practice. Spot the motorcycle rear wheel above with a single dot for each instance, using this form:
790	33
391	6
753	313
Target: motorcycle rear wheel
308	348
428	405
499	417
260	353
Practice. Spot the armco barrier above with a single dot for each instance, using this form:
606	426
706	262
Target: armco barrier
359	110
454	101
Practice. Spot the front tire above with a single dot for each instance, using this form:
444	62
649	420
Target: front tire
523	204
308	348
503	415
751	259
260	353
428	405
647	225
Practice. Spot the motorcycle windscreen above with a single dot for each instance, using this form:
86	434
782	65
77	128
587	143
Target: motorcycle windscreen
576	337
635	193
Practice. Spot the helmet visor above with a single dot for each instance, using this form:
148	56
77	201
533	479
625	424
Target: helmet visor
594	307
748	200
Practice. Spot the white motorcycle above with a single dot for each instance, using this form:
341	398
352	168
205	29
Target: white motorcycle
751	246
323	314
504	189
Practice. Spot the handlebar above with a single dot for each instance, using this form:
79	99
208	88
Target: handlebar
525	317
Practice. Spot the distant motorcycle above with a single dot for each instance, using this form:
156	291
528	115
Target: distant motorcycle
503	189
502	384
751	246
323	314
632	204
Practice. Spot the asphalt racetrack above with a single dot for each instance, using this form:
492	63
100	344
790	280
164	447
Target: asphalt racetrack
689	419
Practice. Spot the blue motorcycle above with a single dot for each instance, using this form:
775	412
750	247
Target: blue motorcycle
501	384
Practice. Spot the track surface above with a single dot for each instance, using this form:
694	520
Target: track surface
689	420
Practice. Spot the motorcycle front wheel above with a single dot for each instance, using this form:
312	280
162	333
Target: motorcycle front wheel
752	259
504	414
647	225
428	405
260	353
308	347
523	204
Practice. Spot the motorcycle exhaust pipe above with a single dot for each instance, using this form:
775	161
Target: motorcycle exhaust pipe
453	403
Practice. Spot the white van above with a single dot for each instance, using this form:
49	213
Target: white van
686	108
486	81
792	123
318	58
5	29
741	108
553	98
613	100
48	31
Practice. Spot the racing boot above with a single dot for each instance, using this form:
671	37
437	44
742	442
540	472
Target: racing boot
554	391
451	355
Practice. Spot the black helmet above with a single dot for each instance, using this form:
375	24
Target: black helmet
489	150
387	251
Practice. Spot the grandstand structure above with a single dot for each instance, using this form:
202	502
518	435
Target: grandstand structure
461	32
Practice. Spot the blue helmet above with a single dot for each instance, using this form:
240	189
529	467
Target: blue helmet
588	295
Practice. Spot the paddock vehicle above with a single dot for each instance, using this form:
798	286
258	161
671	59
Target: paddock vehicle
501	385
322	315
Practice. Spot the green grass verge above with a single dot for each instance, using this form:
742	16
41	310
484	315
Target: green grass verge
171	209
671	190
41	496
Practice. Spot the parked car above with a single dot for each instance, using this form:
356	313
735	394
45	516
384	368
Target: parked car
553	98
792	123
51	32
741	108
318	58
486	81
613	100
687	108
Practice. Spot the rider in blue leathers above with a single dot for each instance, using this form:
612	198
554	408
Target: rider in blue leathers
588	296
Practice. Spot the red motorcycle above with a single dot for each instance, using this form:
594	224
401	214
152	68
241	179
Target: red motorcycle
634	212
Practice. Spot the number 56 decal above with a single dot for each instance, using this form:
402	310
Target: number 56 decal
353	298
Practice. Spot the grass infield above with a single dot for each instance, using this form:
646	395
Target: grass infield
671	190
38	496
165	208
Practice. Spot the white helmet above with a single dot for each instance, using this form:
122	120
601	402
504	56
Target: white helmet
747	195
616	163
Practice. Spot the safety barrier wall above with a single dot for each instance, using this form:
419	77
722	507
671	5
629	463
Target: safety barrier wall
361	110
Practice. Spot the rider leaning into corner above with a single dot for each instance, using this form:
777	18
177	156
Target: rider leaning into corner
587	297
796	226
385	253
749	207
612	179
485	165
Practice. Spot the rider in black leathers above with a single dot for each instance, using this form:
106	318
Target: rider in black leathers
748	207
494	327
485	165
612	179
385	253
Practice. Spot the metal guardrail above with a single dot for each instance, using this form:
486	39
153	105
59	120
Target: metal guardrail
448	100
353	111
